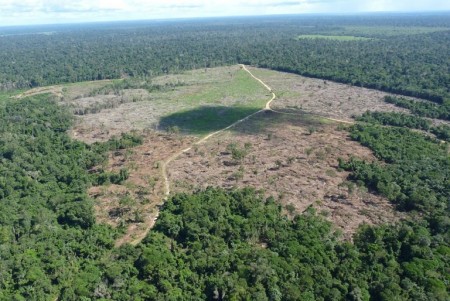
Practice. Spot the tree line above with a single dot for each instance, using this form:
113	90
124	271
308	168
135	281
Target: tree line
213	244
410	64
216	244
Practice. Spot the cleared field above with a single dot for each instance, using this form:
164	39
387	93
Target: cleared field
215	103
390	30
331	37
293	159
194	102
296	94
134	204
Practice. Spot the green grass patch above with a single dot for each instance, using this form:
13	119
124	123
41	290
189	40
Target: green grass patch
5	95
215	106
336	38
241	90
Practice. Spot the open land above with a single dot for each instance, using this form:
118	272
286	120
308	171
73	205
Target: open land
296	94
331	37
220	96
293	158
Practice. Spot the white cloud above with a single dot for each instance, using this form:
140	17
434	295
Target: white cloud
13	12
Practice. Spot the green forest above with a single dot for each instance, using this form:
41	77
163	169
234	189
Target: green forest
218	244
213	245
411	61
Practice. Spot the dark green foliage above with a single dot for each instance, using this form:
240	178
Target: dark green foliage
220	240
410	64
442	132
214	244
126	140
210	245
417	176
49	242
237	246
79	213
404	262
395	119
422	108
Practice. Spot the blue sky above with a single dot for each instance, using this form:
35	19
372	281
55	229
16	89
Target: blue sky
20	12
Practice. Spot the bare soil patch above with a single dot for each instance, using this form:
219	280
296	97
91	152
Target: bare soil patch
133	205
298	93
109	115
293	159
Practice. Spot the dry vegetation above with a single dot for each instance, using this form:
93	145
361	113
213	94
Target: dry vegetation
138	109
292	158
297	93
133	205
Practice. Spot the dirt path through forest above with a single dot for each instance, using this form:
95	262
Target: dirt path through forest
56	90
167	162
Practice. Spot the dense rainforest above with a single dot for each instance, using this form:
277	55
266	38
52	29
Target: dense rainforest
403	53
217	244
213	245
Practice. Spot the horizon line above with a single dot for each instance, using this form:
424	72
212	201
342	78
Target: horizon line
231	16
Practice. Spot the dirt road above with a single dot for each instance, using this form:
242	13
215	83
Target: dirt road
166	163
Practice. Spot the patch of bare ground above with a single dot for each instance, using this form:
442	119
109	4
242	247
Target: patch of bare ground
134	204
66	91
294	159
54	90
298	93
103	116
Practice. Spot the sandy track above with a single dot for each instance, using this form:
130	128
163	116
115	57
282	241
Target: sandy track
167	162
269	108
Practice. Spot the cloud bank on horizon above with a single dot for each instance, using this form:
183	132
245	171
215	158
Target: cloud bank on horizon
21	12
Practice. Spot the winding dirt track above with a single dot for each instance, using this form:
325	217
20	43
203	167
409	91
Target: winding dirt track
166	163
268	108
